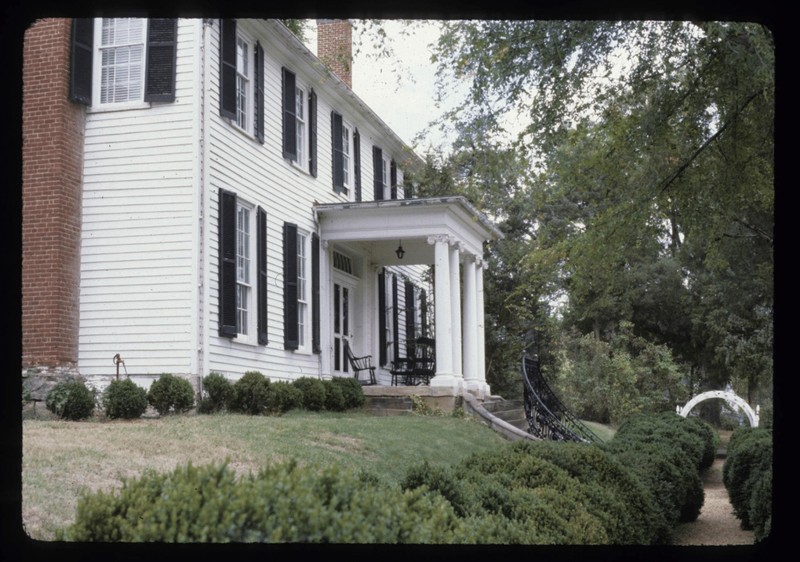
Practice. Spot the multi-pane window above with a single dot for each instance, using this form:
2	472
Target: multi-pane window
302	288
122	58
242	82
300	117
244	289
386	177
347	139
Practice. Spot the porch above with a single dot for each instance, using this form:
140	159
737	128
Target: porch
446	233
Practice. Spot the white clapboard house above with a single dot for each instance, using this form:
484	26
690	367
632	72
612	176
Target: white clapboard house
224	202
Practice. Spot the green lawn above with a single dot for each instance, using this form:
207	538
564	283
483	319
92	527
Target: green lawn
62	459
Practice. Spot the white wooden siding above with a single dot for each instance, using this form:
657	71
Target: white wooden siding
138	218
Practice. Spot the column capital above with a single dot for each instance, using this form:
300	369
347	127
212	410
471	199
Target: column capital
432	240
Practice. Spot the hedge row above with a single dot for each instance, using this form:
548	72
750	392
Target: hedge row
747	475
522	493
666	453
255	394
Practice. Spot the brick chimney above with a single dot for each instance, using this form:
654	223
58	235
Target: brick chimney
52	166
335	48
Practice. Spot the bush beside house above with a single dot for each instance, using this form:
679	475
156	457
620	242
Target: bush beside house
71	400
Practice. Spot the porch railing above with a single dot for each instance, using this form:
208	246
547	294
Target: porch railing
547	416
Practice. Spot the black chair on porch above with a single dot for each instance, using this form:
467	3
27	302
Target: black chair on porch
360	365
424	361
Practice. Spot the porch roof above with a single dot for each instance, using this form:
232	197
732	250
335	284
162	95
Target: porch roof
411	222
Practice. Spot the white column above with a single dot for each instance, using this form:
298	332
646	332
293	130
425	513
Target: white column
325	306
470	324
443	318
455	309
484	387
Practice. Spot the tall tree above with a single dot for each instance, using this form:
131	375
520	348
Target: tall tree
644	175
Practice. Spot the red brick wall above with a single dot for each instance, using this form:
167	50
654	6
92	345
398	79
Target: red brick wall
335	48
52	162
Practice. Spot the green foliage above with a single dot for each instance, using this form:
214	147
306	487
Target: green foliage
281	504
352	391
171	394
761	506
250	394
666	453
609	381
334	397
749	458
124	399
644	195
218	393
313	393
71	400
282	397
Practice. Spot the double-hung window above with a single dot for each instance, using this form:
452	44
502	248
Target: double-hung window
346	158
299	123
121	76
242	270
241	96
301	279
123	62
384	174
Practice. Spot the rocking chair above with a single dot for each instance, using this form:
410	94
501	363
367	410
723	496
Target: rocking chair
360	364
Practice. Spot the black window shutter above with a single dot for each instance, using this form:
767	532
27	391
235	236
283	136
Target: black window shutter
382	317
357	163
312	133
261	226
291	335
423	313
338	152
289	115
395	318
258	76
377	165
393	176
80	84
227	68
227	264
315	311
411	317
162	47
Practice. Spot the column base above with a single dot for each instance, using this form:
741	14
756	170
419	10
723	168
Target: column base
448	380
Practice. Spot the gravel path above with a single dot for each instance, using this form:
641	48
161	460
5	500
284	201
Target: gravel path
716	524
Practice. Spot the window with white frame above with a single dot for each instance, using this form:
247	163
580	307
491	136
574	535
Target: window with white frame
301	112
245	271
347	157
386	176
303	288
121	60
243	84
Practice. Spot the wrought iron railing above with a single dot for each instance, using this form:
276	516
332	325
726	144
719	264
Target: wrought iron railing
547	416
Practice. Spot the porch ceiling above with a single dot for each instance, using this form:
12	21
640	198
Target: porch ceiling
383	225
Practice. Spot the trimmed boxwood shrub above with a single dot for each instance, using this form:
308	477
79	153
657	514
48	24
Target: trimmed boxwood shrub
124	399
217	394
313	393
334	397
282	504
749	457
352	391
171	394
250	394
282	397
761	506
71	400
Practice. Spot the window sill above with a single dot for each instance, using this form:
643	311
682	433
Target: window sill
105	108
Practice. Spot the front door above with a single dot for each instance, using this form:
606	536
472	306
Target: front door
343	299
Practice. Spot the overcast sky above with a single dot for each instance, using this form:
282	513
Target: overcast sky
401	91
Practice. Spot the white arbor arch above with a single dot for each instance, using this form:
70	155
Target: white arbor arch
733	400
